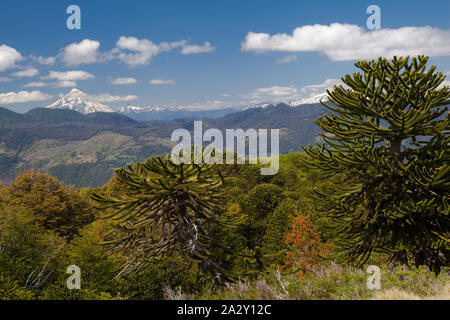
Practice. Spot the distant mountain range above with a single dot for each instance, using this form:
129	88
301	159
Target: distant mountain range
83	149
164	113
81	102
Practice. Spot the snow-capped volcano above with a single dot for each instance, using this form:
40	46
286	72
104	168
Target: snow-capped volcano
79	101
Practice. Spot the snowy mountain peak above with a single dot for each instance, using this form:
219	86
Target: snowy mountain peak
310	100
139	109
75	90
79	101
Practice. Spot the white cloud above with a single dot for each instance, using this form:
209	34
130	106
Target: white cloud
288	59
73	75
134	51
130	50
83	52
161	82
313	89
31	72
203	106
175	44
65	84
43	60
35	85
342	42
5	79
142	50
276	94
23	96
193	48
320	88
68	78
8	57
124	81
275	91
106	97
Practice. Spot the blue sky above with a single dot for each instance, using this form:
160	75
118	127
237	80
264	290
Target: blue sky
203	54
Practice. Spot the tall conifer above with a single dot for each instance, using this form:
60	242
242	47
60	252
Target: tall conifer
387	135
166	208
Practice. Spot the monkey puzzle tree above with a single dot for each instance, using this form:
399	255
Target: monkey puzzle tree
387	136
164	208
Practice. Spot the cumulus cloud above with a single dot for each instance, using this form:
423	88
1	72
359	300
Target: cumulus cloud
275	91
161	82
84	52
288	59
5	79
193	48
66	79
124	81
35	85
314	89
106	97
342	42
8	57
140	51
65	84
73	75
28	73
23	96
43	60
130	50
135	52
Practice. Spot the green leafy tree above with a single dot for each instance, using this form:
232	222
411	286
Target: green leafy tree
85	251
29	254
163	208
388	134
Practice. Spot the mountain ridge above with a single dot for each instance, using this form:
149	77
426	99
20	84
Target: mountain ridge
84	149
79	101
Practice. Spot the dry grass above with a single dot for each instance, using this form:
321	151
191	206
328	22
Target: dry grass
399	294
331	282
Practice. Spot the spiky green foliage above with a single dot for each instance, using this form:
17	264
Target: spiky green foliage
388	134
164	208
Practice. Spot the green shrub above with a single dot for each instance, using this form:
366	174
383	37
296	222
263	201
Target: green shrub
10	290
30	254
59	291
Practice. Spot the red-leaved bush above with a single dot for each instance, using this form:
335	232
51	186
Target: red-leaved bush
305	246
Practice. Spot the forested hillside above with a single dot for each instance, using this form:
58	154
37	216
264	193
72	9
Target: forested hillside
83	149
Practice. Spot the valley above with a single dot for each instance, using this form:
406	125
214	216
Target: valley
83	149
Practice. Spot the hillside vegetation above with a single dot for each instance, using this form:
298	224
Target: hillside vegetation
83	149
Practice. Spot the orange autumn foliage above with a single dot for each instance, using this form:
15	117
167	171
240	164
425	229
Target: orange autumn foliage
306	247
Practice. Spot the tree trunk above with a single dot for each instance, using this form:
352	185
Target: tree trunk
395	146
